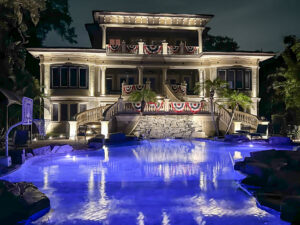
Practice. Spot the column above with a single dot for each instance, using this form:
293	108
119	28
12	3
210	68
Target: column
47	79
140	75
98	79
201	82
103	81
141	47
103	36
200	39
164	48
164	73
91	80
255	79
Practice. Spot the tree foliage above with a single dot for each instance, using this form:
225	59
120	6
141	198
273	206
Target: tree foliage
284	82
143	95
219	44
25	23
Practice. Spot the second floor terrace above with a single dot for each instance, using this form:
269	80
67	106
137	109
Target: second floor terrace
142	48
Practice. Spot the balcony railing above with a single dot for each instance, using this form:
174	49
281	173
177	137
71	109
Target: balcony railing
143	49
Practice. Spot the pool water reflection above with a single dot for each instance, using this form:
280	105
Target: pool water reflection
155	182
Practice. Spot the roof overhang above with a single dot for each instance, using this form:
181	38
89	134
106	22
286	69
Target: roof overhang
261	56
151	19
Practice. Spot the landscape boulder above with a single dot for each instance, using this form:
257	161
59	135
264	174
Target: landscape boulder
235	138
19	201
290	210
46	150
62	149
97	142
280	140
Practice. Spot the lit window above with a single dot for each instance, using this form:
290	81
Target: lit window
237	78
230	78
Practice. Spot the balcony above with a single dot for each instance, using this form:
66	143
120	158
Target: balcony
142	49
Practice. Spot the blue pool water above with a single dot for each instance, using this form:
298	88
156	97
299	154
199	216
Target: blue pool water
155	182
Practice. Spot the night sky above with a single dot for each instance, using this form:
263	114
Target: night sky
254	24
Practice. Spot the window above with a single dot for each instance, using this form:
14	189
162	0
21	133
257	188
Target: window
82	78
69	77
247	79
237	78
55	112
55	77
230	78
63	112
73	111
82	107
73	77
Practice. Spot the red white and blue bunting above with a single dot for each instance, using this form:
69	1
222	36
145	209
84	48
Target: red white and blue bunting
137	106
139	87
128	89
190	49
178	89
152	49
114	48
195	106
174	49
132	48
178	106
156	105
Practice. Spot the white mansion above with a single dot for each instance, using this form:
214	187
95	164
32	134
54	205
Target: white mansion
131	51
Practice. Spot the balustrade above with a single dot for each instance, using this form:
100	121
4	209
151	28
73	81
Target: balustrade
152	49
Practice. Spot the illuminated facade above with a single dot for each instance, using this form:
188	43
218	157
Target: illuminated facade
163	51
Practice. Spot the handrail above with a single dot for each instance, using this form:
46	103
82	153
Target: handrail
247	118
170	94
91	115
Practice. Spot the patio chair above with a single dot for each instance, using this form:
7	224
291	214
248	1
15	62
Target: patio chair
261	131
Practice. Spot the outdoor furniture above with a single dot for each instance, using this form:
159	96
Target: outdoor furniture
261	131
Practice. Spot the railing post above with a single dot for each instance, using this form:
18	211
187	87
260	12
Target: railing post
148	84
141	47
166	103
123	47
123	84
181	48
164	48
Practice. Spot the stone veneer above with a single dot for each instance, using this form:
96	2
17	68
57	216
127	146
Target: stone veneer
167	126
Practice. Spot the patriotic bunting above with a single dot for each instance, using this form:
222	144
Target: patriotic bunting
174	49
195	106
157	105
152	49
178	106
190	49
132	48
114	48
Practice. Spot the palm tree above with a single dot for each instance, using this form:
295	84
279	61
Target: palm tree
235	99
216	86
143	96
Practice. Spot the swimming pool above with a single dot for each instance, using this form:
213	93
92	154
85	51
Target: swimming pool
155	182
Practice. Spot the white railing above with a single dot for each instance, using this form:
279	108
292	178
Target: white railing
122	49
247	119
127	89
152	49
91	115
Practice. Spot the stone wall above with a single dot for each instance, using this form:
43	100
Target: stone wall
167	126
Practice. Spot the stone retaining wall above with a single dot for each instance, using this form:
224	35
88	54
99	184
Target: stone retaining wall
167	126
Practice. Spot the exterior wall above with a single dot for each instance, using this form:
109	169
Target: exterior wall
170	126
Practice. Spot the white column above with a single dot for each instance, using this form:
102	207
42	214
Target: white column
91	80
98	79
213	73
103	81
201	81
165	48
47	78
103	36
140	75
141	47
200	39
255	80
164	73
